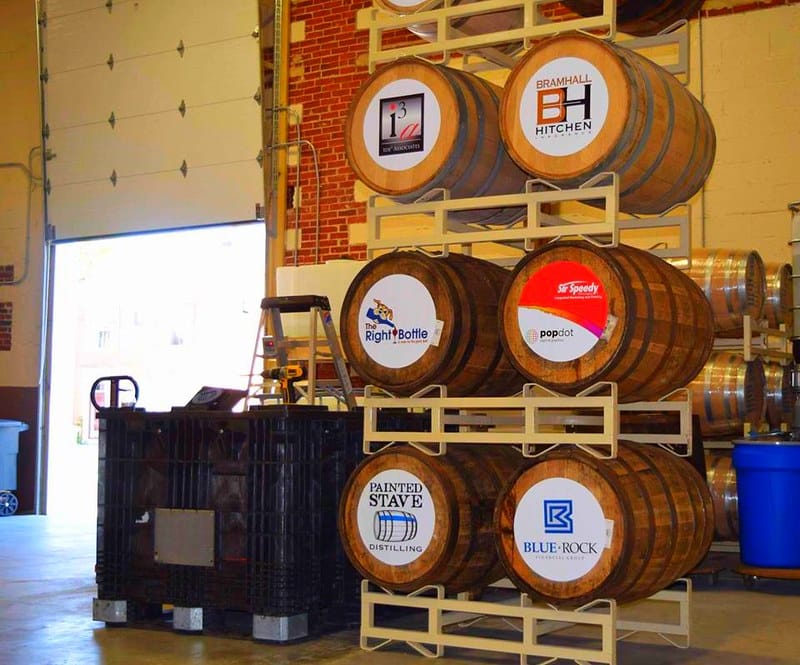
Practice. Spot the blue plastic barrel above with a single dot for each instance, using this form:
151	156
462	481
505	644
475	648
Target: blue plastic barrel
768	480
9	447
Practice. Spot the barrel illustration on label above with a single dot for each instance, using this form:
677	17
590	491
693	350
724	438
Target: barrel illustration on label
398	321
563	309
408	519
396	537
394	526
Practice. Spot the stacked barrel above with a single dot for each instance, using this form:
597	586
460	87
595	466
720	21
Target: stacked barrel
570	527
732	394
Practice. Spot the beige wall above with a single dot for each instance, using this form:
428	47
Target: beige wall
751	66
19	133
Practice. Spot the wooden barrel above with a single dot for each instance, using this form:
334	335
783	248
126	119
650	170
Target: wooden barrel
728	393
573	314
779	295
408	519
640	17
721	479
409	321
734	282
478	24
576	106
573	528
778	394
414	126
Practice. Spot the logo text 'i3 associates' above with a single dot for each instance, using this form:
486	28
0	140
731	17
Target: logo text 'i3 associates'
401	124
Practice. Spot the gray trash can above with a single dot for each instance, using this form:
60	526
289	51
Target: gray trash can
9	448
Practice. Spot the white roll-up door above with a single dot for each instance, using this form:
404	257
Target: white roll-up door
152	113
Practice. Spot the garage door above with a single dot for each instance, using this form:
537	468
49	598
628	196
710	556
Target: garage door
152	114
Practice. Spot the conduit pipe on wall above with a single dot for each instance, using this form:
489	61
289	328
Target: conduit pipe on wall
33	180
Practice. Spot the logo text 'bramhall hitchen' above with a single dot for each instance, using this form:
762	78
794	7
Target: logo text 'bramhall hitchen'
561	111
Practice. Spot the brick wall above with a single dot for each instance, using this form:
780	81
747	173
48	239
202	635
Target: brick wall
327	64
327	67
5	326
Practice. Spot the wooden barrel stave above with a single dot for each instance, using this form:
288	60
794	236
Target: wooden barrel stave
734	283
658	183
727	393
638	17
652	132
661	514
657	333
459	146
458	549
779	296
779	397
477	24
463	292
721	479
634	17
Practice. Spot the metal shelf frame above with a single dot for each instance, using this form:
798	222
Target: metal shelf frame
449	40
536	225
502	48
534	420
528	623
759	341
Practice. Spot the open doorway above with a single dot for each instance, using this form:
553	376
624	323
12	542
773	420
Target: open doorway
176	310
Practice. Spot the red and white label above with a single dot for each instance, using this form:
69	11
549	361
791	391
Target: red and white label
562	311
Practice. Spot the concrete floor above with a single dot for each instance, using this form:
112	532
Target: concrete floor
47	586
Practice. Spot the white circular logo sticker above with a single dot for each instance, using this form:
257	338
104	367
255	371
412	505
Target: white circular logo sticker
559	529
396	517
563	311
402	124
397	321
564	106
